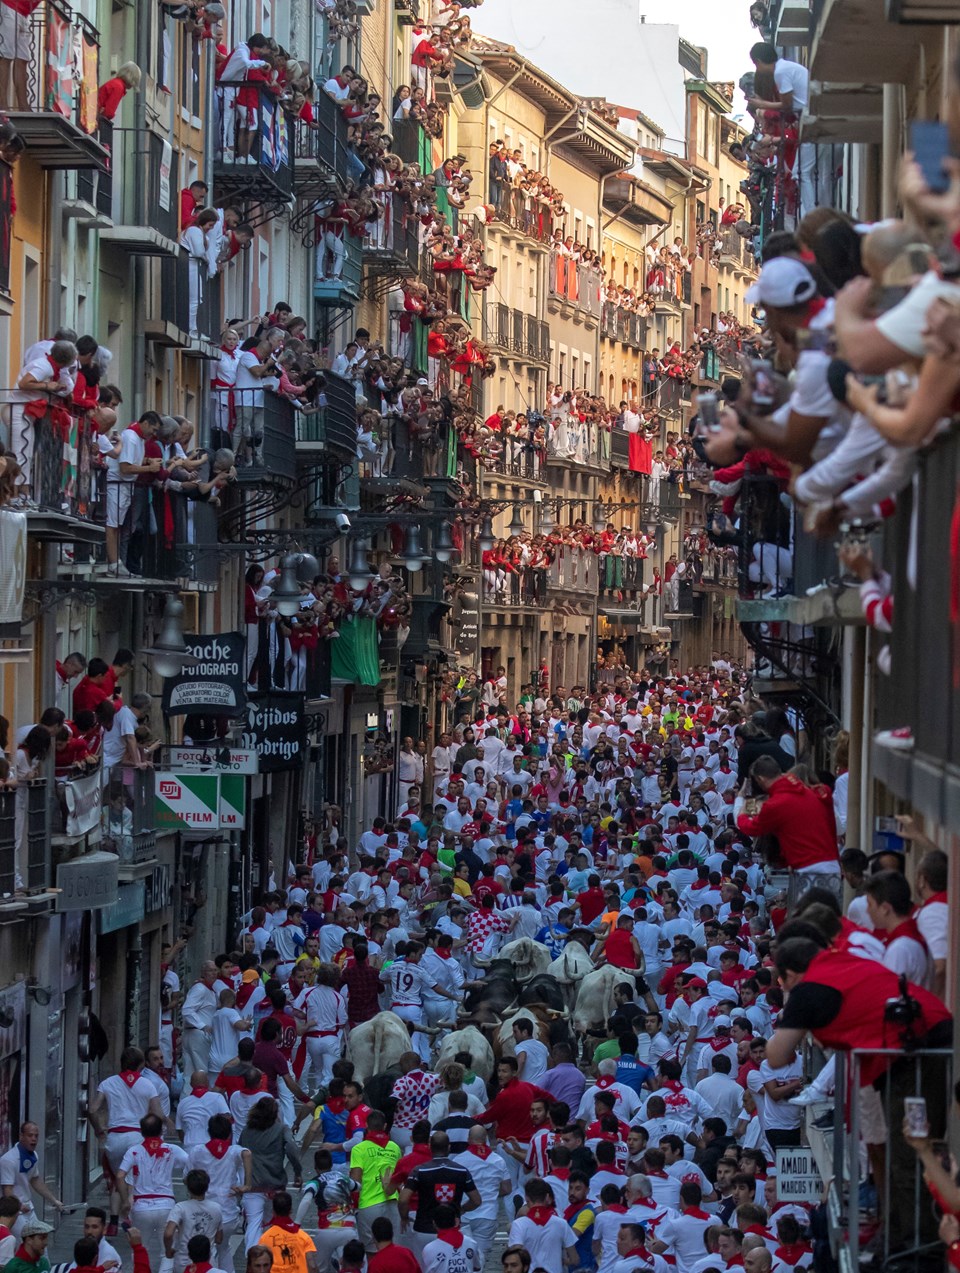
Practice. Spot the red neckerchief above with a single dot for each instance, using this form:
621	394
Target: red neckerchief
24	1254
606	1081
54	367
129	1076
135	428
617	1207
660	1175
718	1044
199	1091
285	1223
574	1210
764	1233
815	307
639	1253
155	1147
480	1151
378	1138
443	951
540	1215
452	1237
645	1202
561	1173
934	897
203	1267
792	1252
218	1147
334	1104
696	1213
906	928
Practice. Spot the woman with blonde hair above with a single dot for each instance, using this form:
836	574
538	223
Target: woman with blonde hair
112	93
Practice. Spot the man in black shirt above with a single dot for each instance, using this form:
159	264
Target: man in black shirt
437	1183
458	1123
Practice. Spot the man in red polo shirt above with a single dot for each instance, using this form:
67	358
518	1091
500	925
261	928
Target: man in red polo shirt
510	1110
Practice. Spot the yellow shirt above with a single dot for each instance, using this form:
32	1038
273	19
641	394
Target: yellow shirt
462	888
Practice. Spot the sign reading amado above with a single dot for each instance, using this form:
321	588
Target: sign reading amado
214	684
276	729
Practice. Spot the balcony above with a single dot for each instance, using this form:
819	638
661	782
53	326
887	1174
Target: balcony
617	323
733	251
620	574
412	144
519	457
344	290
8	843
128	819
393	244
579	442
408	12
272	423
574	570
330	433
516	210
252	164
310	677
58	119
170	303
141	195
573	288
320	154
526	588
515	332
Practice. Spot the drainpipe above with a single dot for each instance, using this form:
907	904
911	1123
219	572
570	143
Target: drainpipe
138	265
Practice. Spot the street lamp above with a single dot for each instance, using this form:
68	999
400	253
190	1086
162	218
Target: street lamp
286	595
486	535
516	526
443	542
359	571
413	555
548	521
307	567
169	654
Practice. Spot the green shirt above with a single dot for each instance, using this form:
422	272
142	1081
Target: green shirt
374	1160
608	1050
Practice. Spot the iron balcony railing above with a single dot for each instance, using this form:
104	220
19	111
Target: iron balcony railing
519	333
331	430
620	574
574	283
264	436
574	569
142	184
321	155
129	827
522	211
578	442
617	323
8	841
254	156
304	668
53	103
392	244
519	456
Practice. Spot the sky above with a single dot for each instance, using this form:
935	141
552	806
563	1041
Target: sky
721	26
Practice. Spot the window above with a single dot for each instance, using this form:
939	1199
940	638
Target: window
588	373
591	232
577	227
29	308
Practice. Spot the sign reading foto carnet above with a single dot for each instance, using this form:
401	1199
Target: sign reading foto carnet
187	802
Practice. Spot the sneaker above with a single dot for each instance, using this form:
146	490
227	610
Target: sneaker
901	739
809	1096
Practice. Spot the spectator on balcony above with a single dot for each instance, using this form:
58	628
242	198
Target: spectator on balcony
256	365
97	687
192	199
123	469
249	55
29	764
112	93
202	251
338	86
46	378
73	665
223	385
792	84
120	746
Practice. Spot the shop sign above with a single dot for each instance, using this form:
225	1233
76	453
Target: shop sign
222	759
798	1178
187	802
87	883
129	908
158	886
83	798
213	685
276	729
468	636
233	802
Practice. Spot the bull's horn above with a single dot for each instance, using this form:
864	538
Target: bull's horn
482	963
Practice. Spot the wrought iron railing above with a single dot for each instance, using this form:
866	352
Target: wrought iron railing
255	141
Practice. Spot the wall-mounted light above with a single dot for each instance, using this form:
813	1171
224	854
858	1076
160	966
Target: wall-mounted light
286	595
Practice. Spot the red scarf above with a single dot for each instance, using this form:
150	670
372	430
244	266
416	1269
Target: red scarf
203	1267
605	1082
285	1223
617	1207
906	928
155	1146
219	1147
719	1044
199	1091
443	951
452	1237
541	1215
334	1104
793	1252
24	1254
639	1253
129	1076
378	1138
697	1213
480	1151
934	897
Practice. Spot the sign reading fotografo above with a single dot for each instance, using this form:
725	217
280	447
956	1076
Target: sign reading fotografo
214	684
276	729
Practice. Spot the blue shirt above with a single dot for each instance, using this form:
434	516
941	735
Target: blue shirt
633	1072
555	944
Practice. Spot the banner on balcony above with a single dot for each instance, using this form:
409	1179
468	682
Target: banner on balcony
188	802
60	67
13	551
89	63
276	728
82	796
268	114
212	686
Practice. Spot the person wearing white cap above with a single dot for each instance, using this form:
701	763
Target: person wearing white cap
719	1044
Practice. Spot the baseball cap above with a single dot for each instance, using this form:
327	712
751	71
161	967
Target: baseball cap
721	1021
783	282
697	983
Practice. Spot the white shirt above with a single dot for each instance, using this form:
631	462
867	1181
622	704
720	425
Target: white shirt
488	1175
535	1065
791	77
683	1236
126	1103
150	1177
441	1257
546	1243
124	725
10	1174
933	921
225	1039
199	1007
724	1095
249	386
194	1112
132	449
780	1115
224	1173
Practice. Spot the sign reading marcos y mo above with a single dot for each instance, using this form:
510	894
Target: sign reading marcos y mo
214	684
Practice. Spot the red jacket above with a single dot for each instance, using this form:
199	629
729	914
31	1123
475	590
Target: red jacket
510	1110
801	818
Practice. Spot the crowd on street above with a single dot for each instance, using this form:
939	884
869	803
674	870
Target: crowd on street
556	1002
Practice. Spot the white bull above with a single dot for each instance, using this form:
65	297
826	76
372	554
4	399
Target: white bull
468	1039
595	1004
569	970
527	957
377	1044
